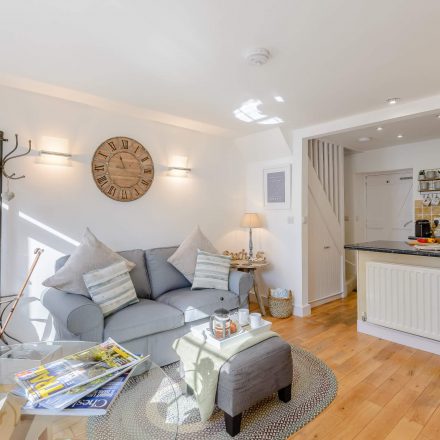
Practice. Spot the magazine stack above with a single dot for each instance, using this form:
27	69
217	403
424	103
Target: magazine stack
82	384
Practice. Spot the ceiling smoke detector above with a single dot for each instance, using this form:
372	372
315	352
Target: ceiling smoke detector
258	57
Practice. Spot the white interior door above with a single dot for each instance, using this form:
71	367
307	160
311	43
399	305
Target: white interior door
389	206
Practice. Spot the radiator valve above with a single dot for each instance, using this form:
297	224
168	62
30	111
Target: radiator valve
364	316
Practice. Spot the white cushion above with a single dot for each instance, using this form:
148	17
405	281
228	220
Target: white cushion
212	271
91	254
185	257
111	287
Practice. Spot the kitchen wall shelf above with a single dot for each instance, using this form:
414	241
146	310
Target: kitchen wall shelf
428	180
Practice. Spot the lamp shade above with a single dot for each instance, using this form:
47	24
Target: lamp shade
250	220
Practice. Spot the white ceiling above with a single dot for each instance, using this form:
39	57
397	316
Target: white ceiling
331	58
414	129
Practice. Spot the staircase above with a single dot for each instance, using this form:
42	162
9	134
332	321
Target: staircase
326	221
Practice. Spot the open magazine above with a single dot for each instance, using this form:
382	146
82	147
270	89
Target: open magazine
93	400
49	380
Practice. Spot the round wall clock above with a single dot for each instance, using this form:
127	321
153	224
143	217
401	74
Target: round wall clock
123	169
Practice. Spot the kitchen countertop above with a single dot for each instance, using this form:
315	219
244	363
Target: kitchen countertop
391	247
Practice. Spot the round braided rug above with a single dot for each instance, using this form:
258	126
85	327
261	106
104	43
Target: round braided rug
143	413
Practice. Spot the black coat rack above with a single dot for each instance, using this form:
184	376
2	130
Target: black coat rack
3	160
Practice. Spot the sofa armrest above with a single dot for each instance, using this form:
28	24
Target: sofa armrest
75	316
240	283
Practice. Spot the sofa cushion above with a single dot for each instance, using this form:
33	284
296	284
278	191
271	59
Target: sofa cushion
142	319
199	304
212	271
138	274
111	288
91	254
163	275
185	257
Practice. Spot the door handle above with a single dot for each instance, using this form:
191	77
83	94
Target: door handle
326	247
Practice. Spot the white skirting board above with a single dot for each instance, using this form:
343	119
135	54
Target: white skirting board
320	302
414	341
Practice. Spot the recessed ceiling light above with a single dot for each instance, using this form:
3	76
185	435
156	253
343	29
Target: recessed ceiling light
379	128
278	98
258	57
392	101
400	136
364	139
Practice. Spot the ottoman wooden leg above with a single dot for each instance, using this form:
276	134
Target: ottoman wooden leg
233	424
285	394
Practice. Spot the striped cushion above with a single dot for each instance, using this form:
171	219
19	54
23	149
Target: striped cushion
111	287
212	271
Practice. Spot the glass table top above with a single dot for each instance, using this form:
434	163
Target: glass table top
146	408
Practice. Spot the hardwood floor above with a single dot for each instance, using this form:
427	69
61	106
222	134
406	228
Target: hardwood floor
386	390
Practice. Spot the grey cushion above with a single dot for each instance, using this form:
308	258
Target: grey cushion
138	274
185	257
199	304
253	374
91	254
163	275
142	319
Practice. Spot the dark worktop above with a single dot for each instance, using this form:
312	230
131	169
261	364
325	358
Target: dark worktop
391	247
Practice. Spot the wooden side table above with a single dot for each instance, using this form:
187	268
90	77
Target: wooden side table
245	266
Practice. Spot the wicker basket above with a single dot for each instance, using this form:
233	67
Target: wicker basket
280	307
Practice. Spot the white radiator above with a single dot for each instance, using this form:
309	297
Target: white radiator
405	298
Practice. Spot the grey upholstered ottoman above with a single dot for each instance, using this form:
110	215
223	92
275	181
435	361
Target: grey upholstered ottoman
252	375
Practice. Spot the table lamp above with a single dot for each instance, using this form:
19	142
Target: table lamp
250	220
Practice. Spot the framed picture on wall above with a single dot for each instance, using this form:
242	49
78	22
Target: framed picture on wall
277	187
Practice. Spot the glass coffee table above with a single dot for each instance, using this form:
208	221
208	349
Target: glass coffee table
146	408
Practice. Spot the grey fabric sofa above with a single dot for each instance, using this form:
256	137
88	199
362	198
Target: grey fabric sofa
167	307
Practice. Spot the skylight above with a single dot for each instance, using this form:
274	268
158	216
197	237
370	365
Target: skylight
249	112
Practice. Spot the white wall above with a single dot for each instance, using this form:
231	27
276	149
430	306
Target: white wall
261	151
416	156
56	201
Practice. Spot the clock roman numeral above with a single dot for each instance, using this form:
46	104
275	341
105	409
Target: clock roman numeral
137	148
103	155
124	194
112	145
125	144
102	180
112	190
137	192
145	182
145	158
148	171
99	167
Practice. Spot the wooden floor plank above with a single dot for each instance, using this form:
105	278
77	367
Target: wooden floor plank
405	430
431	431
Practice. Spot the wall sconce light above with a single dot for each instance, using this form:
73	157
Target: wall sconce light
179	167
54	151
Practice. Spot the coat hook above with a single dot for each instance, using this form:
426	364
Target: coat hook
10	156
